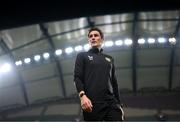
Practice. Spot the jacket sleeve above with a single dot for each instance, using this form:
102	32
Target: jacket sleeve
115	84
78	72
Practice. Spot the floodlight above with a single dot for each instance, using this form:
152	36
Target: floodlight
78	48
86	47
172	40
161	40
151	40
128	41
37	57
119	42
27	60
18	63
69	50
58	52
108	43
46	55
5	68
141	41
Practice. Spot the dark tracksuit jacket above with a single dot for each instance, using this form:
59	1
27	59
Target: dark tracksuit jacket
94	73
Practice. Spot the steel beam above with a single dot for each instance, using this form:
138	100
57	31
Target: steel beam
20	79
50	41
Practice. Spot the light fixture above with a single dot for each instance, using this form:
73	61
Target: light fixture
141	41
37	57
119	42
46	55
78	48
108	43
151	40
5	68
27	60
86	47
69	50
161	40
128	41
18	63
172	40
58	52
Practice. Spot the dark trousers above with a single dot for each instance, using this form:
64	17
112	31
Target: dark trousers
104	112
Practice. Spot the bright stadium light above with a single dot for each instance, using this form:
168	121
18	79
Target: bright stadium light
27	60
86	47
37	57
18	63
69	50
108	44
78	48
172	40
141	41
128	41
119	42
58	52
46	55
5	68
151	40
161	40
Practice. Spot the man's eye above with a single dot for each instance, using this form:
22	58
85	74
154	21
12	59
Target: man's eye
96	35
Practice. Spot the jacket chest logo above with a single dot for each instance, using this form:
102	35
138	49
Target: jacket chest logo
90	58
108	59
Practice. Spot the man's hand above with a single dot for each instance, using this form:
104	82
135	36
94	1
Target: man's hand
86	104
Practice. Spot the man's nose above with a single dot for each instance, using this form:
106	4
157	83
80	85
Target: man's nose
93	37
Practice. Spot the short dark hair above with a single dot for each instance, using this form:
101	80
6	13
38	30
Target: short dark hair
96	29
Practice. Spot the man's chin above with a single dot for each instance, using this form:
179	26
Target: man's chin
94	45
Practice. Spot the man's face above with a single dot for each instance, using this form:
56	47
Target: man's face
95	39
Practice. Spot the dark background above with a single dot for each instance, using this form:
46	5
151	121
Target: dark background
15	14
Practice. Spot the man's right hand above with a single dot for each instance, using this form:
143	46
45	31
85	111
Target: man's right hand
86	104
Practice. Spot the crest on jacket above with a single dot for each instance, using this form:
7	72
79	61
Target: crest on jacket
90	57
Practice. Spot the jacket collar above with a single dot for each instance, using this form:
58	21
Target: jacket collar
95	50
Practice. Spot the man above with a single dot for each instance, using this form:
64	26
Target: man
96	83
